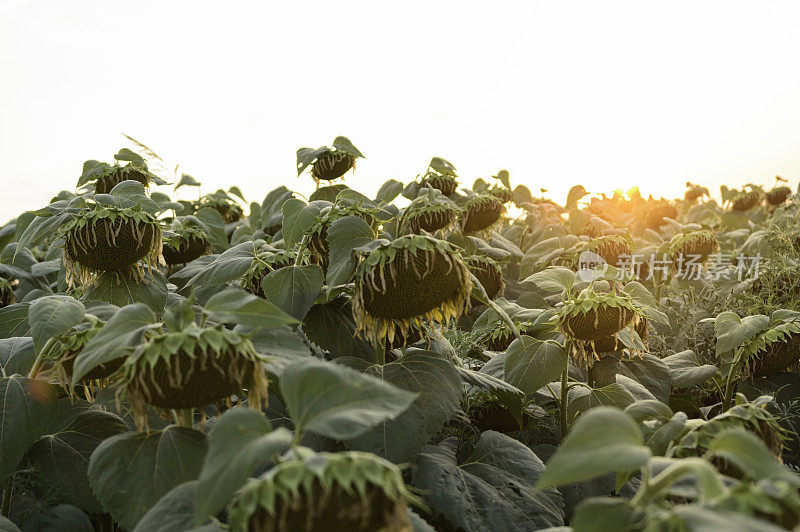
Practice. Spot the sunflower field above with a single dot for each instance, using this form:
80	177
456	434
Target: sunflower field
445	356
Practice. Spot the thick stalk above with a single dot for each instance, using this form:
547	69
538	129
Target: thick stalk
6	507
187	417
37	365
726	401
711	485
562	406
380	354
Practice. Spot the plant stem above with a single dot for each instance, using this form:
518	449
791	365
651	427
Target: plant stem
500	312
562	407
380	354
37	365
7	489
187	417
726	401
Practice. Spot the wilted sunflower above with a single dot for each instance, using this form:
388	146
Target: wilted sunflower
223	203
66	349
697	244
695	192
488	272
430	211
110	239
746	199
349	491
191	368
316	237
189	243
329	163
594	316
778	195
441	175
403	283
613	343
657	212
266	262
105	176
611	247
481	211
6	293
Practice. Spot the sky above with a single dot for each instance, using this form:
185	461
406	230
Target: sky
609	95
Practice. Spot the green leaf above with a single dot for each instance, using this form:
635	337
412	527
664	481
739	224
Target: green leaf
489	383
298	217
17	355
51	316
187	181
281	346
62	517
118	337
306	156
147	465
241	442
14	320
121	290
26	409
702	519
7	526
215	226
128	155
331	327
438	389
62	458
175	512
294	288
491	490
41	228
748	452
344	235
685	371
552	279
389	191
604	440
601	514
238	306
531	363
343	144
227	267
338	402
442	166
582	398
733	332
575	194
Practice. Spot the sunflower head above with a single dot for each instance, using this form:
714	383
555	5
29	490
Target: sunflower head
329	162
349	491
316	238
778	195
430	211
747	198
658	211
700	244
221	202
111	239
481	211
192	367
489	272
695	192
611	247
265	263
68	346
406	282
190	242
7	296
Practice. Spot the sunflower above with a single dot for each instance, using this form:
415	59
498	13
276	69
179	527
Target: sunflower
316	237
746	199
7	296
430	211
265	263
611	247
110	239
481	211
67	348
329	163
349	491
699	244
778	195
488	272
221	202
656	214
189	243
403	283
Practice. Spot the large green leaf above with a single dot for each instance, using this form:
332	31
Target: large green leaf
227	267
748	452
388	191
14	320
582	398
215	226
16	355
294	288
733	331
331	327
147	466
531	363
238	306
298	217
282	346
555	279
60	518
438	386
53	315
685	371
338	402
118	337
491	490
7	526
26	409
242	441
175	512
699	518
604	440
62	458
344	235
121	290
601	514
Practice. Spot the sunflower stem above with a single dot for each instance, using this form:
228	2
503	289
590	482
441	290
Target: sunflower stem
37	365
562	406
7	491
187	417
726	401
380	354
502	313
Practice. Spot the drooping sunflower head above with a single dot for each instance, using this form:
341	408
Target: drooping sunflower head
481	211
68	346
406	282
612	247
747	198
223	203
103	177
316	238
349	491
657	211
111	239
430	211
489	272
264	263
329	162
614	343
192	367
594	316
441	175
190	242
778	195
7	296
695	192
697	245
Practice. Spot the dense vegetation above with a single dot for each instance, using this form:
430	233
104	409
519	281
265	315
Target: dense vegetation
434	358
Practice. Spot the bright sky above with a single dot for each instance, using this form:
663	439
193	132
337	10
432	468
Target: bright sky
605	94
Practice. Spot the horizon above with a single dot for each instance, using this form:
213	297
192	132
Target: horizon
660	97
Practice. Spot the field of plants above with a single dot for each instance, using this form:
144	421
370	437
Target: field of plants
447	355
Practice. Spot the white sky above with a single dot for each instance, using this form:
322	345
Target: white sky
605	94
